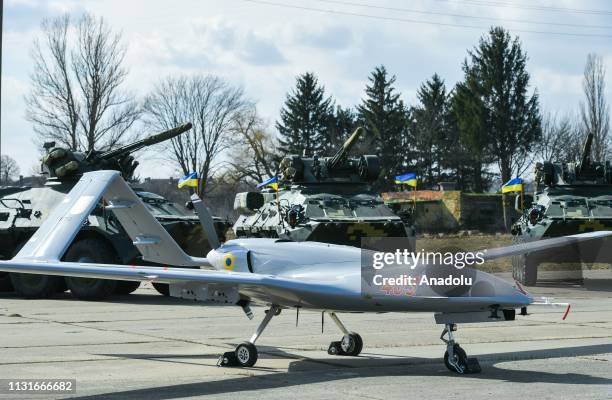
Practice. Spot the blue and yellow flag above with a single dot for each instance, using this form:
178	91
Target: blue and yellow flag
189	180
513	185
407	179
272	182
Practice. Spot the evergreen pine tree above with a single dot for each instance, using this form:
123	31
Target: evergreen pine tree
384	115
431	126
305	118
496	114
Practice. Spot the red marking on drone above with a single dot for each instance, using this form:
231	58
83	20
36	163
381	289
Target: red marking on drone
567	310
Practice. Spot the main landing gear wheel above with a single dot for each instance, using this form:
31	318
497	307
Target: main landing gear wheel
350	345
246	354
455	358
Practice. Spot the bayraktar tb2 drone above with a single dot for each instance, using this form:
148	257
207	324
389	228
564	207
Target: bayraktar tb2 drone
278	274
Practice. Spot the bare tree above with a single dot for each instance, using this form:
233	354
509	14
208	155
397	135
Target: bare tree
212	105
254	158
594	111
76	98
9	170
560	139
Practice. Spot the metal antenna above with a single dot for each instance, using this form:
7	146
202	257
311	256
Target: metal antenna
322	320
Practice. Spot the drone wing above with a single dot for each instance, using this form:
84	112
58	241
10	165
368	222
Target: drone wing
43	252
543	245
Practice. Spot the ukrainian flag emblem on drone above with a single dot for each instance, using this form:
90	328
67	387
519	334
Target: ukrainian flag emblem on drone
229	261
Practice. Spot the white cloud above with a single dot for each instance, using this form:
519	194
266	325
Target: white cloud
263	48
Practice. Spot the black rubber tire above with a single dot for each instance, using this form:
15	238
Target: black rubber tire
5	282
462	360
355	344
126	287
246	354
33	286
162	288
524	271
91	250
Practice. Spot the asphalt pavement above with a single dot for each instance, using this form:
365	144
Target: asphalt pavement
148	346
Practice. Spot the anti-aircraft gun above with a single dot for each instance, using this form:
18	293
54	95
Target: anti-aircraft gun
340	168
570	197
585	172
324	199
102	239
63	164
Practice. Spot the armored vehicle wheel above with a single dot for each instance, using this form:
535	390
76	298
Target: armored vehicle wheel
91	250
5	282
126	287
162	288
36	286
524	271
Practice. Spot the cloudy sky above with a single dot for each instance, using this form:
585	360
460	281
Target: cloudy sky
263	45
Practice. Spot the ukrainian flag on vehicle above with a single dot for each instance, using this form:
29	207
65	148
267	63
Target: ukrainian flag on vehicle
272	182
407	179
513	185
189	180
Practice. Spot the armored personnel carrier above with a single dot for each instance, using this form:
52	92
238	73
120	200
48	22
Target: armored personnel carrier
569	198
323	199
102	239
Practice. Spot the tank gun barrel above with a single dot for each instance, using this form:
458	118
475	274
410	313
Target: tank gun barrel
585	157
346	147
148	141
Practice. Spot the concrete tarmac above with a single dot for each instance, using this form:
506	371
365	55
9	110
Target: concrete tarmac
151	347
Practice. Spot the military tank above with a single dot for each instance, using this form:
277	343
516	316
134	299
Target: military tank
102	239
569	198
323	199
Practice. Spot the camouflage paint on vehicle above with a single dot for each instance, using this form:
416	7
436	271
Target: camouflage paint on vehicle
570	198
323	199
